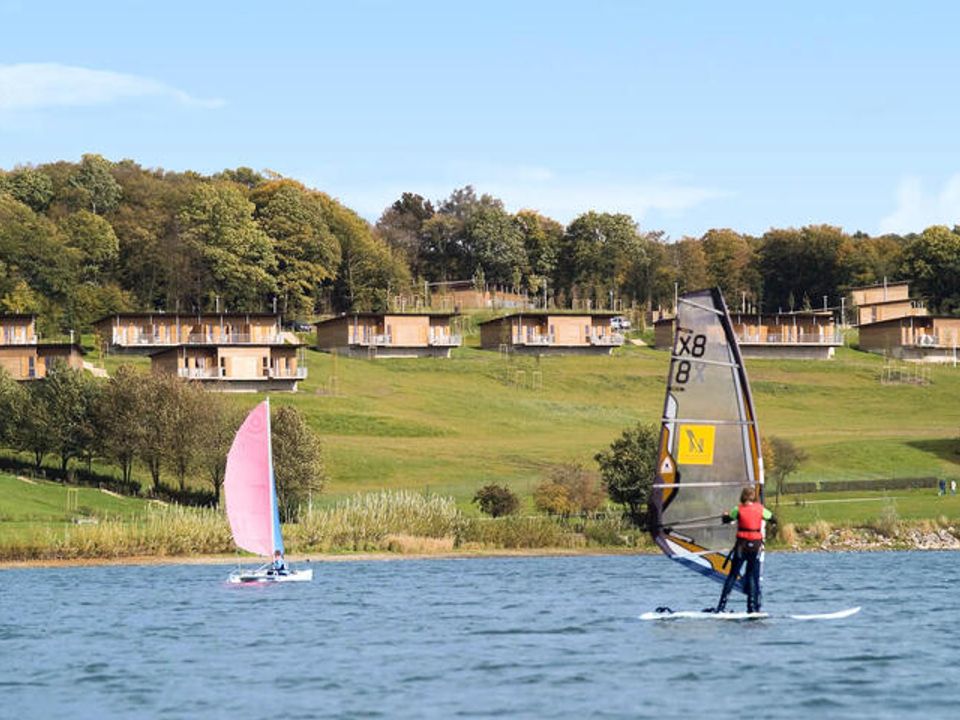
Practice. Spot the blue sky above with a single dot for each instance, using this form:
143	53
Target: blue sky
686	115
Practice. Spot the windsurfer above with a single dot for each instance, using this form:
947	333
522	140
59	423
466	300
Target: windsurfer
750	516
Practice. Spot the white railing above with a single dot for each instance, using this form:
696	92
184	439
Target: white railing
792	338
299	373
930	341
447	340
374	340
609	340
198	373
23	340
120	338
534	339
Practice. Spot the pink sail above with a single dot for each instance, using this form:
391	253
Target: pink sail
249	486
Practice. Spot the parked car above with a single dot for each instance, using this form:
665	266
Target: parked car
620	323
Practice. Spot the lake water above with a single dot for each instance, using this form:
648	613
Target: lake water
504	637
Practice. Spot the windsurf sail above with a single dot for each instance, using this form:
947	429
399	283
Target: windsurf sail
250	486
709	441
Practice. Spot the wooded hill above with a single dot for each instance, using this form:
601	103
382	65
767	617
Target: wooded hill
80	240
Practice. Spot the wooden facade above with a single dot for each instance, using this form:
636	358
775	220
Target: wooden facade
551	333
237	368
885	301
811	335
148	332
22	354
387	335
928	338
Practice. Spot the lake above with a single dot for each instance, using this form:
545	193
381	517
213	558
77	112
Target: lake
491	637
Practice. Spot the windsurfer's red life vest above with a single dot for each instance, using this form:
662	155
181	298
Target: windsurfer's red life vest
750	521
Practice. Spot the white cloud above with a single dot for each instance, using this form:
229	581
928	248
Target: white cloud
32	86
557	196
917	210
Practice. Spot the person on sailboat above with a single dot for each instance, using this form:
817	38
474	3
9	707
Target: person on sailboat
278	565
750	516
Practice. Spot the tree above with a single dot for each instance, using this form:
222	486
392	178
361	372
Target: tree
496	500
541	242
729	257
70	397
30	186
186	404
233	256
628	468
401	227
570	488
219	421
932	260
307	252
32	433
118	412
493	242
153	424
297	461
97	187
786	459
12	400
96	244
553	498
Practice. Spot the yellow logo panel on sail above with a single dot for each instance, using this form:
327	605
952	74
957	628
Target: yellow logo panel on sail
695	444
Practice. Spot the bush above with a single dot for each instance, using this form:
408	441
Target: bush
553	498
570	488
496	500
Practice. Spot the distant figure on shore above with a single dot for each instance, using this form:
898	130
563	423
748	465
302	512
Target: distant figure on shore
953	487
278	565
750	516
941	487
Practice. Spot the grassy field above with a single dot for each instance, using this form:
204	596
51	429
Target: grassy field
453	425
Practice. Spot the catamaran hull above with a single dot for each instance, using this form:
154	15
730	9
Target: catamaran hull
256	576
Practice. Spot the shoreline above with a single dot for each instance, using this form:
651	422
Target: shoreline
844	544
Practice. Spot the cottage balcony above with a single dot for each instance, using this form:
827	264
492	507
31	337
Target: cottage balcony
534	339
446	340
299	373
827	338
147	339
374	340
199	373
926	341
18	339
608	340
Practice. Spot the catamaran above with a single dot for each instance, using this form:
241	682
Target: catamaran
251	493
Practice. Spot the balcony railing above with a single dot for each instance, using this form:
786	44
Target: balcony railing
534	339
446	340
792	338
609	340
146	339
22	340
374	340
299	373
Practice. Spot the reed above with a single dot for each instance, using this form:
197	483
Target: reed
362	522
819	530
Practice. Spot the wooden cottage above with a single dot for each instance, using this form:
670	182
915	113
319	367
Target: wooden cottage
22	354
551	333
389	335
885	301
927	338
145	333
235	368
810	335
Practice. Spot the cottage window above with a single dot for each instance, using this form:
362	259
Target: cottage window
31	367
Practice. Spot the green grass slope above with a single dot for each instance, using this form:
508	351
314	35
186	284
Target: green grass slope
451	425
